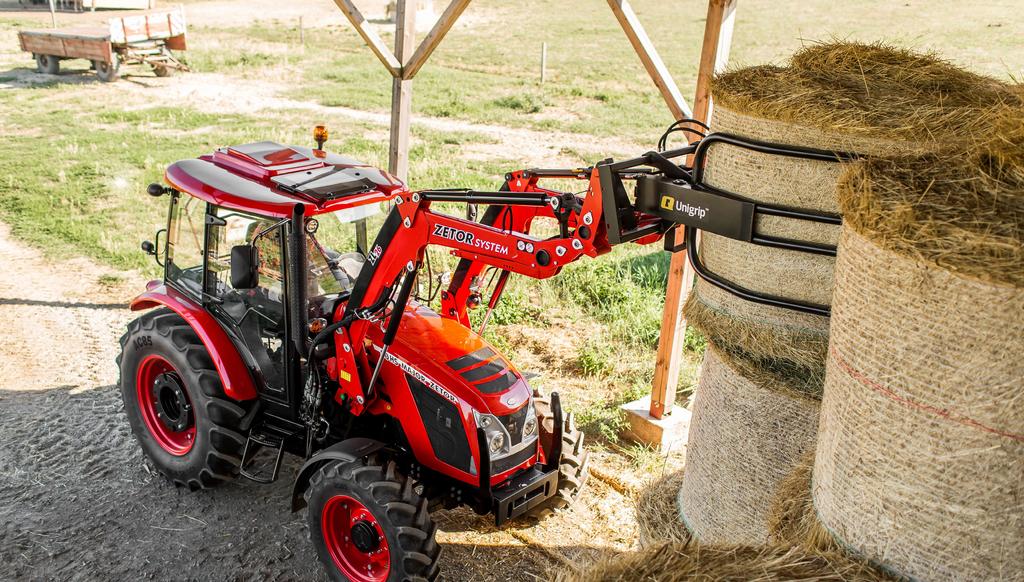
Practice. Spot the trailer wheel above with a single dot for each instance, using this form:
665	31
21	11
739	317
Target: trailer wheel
48	64
573	469
368	524
108	72
175	402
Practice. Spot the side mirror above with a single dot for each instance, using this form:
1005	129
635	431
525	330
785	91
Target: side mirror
245	264
153	248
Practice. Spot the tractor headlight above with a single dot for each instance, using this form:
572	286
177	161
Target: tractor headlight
530	426
496	442
494	433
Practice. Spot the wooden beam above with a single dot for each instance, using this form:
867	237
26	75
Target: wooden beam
713	57
401	90
433	38
649	57
370	37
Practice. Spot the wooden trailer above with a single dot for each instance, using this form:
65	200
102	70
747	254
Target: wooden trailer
137	39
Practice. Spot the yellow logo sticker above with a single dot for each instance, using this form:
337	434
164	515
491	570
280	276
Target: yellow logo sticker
667	202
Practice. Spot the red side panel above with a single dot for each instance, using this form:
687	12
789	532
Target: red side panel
232	370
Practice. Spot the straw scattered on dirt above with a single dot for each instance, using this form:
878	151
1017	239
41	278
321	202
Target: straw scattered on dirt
706	563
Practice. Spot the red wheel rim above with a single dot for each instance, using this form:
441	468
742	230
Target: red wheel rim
346	525
151	386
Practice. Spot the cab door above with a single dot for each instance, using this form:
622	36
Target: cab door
256	317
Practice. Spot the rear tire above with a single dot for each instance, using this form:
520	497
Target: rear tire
48	64
573	470
108	72
369	525
175	402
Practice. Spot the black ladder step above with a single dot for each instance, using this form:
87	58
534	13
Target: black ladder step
260	440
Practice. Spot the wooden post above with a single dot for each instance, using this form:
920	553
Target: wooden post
401	90
302	33
370	37
543	62
713	57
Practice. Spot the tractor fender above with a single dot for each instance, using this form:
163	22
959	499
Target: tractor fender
234	375
346	451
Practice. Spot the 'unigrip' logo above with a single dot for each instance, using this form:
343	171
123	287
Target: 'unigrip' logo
669	203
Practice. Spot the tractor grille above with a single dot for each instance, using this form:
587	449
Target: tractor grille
501	465
513	423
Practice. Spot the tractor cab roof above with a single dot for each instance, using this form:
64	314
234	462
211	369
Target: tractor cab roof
270	179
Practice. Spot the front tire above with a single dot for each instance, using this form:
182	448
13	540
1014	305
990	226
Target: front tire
176	405
573	469
369	525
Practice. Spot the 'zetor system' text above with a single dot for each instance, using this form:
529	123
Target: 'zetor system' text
468	238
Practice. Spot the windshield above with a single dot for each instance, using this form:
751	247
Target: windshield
337	248
332	272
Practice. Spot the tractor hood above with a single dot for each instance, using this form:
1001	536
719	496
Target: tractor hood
460	360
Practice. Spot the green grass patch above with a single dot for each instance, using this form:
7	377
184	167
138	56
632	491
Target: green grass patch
604	419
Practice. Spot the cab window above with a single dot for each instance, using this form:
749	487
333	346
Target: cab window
185	233
336	249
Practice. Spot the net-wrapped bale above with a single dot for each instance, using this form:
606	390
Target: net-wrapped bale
750	425
873	100
920	458
711	563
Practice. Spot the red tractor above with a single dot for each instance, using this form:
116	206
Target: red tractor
278	328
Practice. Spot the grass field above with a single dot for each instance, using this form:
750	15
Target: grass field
76	156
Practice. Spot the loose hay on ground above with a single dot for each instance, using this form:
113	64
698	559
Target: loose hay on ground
693	562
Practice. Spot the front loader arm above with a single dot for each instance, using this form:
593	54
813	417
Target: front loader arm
395	256
463	291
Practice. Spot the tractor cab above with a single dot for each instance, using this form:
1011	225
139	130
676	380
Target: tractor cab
254	226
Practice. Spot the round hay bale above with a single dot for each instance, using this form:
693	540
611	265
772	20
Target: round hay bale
749	427
873	100
920	456
708	563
